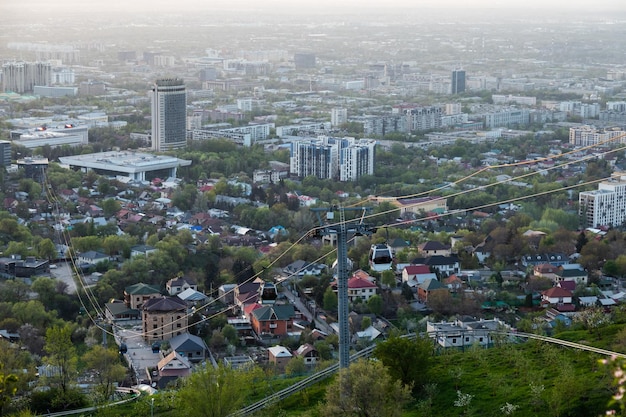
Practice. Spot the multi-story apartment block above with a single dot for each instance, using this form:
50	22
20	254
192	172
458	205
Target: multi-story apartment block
345	159
357	160
423	118
506	118
22	77
605	206
338	116
589	135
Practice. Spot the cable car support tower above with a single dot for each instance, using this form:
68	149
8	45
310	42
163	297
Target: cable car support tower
343	228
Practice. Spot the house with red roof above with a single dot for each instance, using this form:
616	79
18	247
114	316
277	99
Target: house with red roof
559	298
414	272
360	288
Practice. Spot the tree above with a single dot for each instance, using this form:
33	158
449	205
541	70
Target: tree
110	206
214	392
61	353
375	304
8	387
330	300
365	389
406	360
46	249
389	278
108	369
296	366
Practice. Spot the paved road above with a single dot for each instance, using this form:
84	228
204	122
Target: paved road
320	324
63	272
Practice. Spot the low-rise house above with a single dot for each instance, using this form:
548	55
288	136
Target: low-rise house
92	257
428	287
548	271
163	318
556	259
308	353
276	320
172	367
396	245
358	288
177	285
572	272
558	298
411	272
136	295
301	268
464	332
119	311
432	247
142	250
23	268
279	356
190	346
443	264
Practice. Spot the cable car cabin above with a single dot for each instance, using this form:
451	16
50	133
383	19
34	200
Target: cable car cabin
380	257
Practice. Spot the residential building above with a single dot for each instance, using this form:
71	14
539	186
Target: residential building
346	159
5	153
559	298
190	346
464	332
177	285
22	77
169	114
507	118
425	289
308	353
338	116
92	257
589	136
136	295
605	206
458	82
163	318
279	356
276	320
434	248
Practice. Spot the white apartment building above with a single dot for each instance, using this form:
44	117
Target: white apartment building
346	159
605	206
338	116
507	117
588	135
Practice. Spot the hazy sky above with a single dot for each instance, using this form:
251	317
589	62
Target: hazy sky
23	7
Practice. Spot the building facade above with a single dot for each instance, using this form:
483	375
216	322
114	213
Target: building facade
458	82
345	159
22	77
589	135
605	206
169	114
164	318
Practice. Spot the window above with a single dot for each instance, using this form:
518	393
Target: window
467	339
453	341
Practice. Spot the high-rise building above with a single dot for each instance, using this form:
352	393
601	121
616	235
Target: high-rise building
338	116
458	81
22	77
605	206
169	114
345	159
